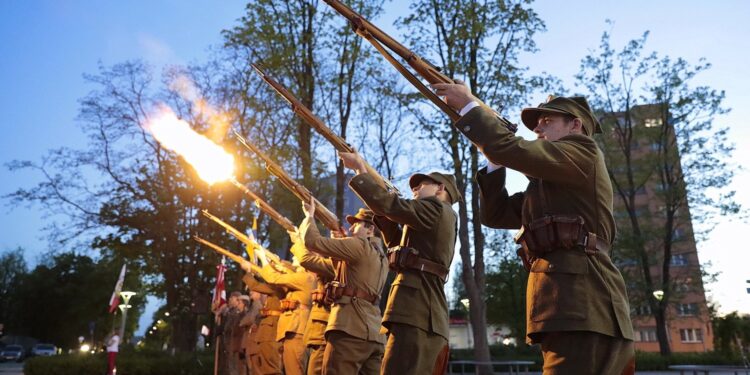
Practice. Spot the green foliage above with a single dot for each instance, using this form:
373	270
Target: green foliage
127	364
65	293
12	271
730	331
506	289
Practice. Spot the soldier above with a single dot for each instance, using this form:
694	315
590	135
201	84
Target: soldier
577	307
266	360
355	344
314	337
424	231
295	314
249	324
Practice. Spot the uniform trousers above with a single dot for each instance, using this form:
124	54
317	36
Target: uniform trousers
294	354
345	354
315	364
411	350
583	352
267	360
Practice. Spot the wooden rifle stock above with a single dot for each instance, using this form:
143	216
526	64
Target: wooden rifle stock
316	123
321	212
428	71
227	253
247	240
265	207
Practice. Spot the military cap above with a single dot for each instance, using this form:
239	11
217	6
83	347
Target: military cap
362	215
441	178
575	106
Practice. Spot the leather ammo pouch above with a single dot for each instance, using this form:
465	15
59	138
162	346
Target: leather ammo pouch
546	234
407	258
336	290
289	304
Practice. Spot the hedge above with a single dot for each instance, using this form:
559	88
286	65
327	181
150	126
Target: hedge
134	363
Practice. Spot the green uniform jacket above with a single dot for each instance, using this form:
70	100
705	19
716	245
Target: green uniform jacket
427	225
299	286
267	325
319	314
365	268
567	289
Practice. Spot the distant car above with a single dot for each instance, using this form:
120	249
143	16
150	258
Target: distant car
43	350
12	353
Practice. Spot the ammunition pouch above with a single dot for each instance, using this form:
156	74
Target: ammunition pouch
268	312
554	232
291	304
336	290
407	258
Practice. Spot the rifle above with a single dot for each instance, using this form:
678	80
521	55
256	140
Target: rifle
265	207
316	123
247	241
429	72
321	212
229	254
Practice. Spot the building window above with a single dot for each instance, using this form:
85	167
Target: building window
691	335
652	122
642	310
686	309
645	335
679	260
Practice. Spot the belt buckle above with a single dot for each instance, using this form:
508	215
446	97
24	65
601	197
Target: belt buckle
590	238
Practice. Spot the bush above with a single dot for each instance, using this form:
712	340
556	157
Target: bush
134	363
643	361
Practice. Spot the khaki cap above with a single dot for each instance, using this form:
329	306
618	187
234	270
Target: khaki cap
575	106
362	215
441	178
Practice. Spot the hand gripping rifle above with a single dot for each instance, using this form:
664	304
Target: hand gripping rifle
265	254
316	123
321	212
428	71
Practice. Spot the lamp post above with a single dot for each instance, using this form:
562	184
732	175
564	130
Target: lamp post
124	308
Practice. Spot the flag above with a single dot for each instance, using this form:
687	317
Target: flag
220	295
114	301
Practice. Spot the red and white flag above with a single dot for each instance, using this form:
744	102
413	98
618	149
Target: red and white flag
114	301
220	294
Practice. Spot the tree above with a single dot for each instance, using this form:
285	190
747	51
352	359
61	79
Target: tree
482	41
506	288
66	294
12	271
660	137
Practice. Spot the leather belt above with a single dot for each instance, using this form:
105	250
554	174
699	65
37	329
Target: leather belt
592	243
269	312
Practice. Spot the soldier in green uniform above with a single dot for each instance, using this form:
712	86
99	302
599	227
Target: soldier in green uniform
421	233
314	336
295	314
576	303
355	343
266	359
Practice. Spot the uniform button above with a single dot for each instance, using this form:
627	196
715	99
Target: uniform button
467	128
551	267
361	182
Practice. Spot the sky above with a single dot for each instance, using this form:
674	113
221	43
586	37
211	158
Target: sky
47	46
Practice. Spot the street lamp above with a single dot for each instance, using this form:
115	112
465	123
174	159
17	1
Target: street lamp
124	308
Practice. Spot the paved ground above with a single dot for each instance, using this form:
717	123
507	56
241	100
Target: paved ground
11	368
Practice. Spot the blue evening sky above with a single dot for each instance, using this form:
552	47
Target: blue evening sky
47	46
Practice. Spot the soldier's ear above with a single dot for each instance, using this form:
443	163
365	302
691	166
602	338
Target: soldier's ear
578	126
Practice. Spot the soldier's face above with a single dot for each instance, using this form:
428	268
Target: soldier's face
426	188
359	229
553	127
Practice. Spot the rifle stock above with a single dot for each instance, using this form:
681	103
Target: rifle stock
246	240
429	72
316	123
227	253
321	212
